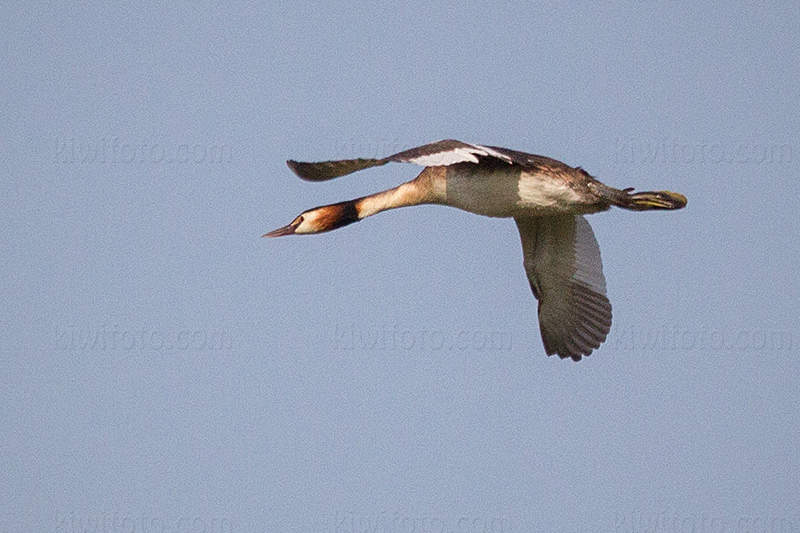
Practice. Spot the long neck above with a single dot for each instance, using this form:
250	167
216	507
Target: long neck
427	188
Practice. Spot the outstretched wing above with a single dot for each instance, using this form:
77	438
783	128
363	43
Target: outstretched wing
440	153
327	170
562	260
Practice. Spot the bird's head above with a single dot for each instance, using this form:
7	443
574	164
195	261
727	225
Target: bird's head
319	220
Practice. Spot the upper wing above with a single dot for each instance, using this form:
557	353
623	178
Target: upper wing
440	153
327	170
562	260
448	152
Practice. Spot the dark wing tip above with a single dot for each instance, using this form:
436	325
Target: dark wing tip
585	332
327	170
309	171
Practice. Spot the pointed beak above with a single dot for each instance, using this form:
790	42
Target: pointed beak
280	232
286	230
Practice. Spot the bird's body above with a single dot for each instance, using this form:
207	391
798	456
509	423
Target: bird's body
510	191
545	197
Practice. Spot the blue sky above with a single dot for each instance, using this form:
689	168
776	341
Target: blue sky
166	369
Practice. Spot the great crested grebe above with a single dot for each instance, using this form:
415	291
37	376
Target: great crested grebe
545	197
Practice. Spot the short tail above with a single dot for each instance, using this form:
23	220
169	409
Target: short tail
644	201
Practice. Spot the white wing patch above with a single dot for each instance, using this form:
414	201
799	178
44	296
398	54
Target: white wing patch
450	157
493	153
462	154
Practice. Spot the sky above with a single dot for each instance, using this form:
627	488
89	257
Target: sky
164	368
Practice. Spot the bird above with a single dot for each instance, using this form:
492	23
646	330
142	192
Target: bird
546	198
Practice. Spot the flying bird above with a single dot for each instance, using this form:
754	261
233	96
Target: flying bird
546	198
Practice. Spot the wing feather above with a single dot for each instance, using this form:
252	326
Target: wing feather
562	261
447	152
327	170
440	153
